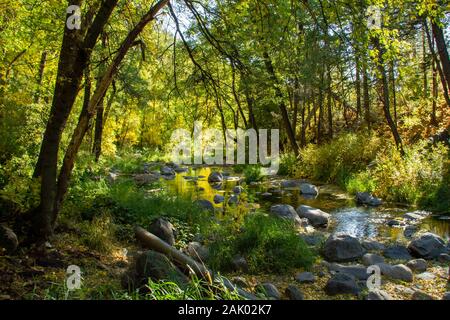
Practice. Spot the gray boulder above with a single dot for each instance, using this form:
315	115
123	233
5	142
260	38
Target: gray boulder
205	205
342	283
164	230
444	257
239	263
370	259
305	277
167	171
342	247
197	251
309	189
286	211
397	252
418	265
316	217
379	295
399	272
372	245
238	189
289	184
294	293
428	246
367	199
421	295
218	198
410	231
269	290
215	177
359	272
8	239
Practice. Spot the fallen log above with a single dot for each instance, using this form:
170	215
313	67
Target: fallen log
153	242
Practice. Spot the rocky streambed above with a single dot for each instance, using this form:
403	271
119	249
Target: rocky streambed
358	238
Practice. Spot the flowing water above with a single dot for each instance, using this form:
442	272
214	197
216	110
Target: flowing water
347	217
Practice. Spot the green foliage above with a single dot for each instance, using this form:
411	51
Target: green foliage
348	154
288	164
268	243
253	173
360	182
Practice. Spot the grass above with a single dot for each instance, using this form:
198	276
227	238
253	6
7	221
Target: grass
269	244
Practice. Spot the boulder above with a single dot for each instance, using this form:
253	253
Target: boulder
359	272
309	189
152	265
367	199
413	216
8	239
240	282
399	272
286	211
167	171
269	290
290	184
197	251
205	205
164	230
215	177
372	245
316	217
342	283
342	247
305	277
426	276
444	257
418	265
428	246
397	252
410	231
379	295
294	293
421	295
218	198
370	259
446	296
239	263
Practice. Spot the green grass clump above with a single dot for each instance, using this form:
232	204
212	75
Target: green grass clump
269	244
253	173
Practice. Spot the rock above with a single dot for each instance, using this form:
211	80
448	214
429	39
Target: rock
379	295
218	198
400	272
180	169
233	200
384	268
286	211
8	239
294	293
305	277
316	217
342	247
418	265
266	194
446	296
443	257
269	290
410	231
155	266
238	189
372	245
164	230
397	252
241	282
146	178
370	259
314	239
215	177
167	171
197	251
395	223
428	246
421	295
239	263
426	276
309	189
367	199
359	272
289	184
413	216
342	283
205	205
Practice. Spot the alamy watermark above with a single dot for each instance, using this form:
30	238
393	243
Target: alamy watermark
208	146
74	20
73	281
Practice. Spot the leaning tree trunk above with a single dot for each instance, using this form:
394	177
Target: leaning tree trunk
442	50
102	86
74	56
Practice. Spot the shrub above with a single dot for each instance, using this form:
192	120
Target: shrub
253	173
288	164
268	243
361	182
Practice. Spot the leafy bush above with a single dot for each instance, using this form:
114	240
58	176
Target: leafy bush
268	243
361	182
253	173
288	164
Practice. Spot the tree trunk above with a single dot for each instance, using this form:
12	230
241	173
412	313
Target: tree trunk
366	97
74	56
102	86
281	104
442	51
434	121
385	88
40	76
